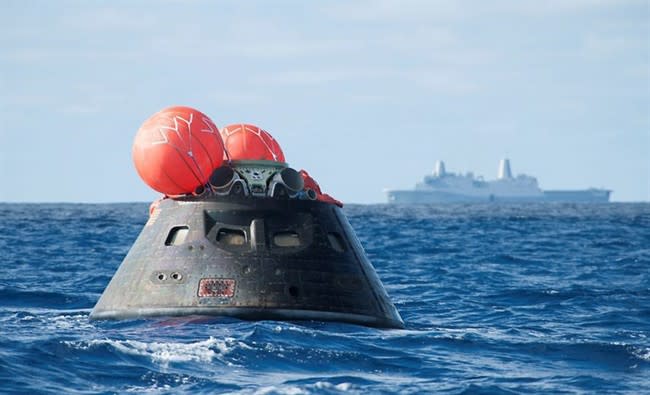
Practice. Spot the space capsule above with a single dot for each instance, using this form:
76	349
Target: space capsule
250	238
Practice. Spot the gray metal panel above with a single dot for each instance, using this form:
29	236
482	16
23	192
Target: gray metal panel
208	275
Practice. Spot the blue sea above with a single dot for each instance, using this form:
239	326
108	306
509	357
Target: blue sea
497	299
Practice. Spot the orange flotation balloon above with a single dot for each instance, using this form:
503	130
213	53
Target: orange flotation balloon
155	204
249	142
313	185
176	150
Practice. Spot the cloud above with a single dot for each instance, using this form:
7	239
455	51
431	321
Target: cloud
610	45
394	11
308	77
232	98
430	80
549	7
35	55
397	12
80	109
108	19
28	100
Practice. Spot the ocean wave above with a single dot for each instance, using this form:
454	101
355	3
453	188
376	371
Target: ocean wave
643	353
20	298
163	352
320	387
496	299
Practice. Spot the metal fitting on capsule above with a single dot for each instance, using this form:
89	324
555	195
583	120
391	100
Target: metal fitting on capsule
286	182
225	180
307	194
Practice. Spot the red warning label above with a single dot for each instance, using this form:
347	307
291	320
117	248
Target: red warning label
216	288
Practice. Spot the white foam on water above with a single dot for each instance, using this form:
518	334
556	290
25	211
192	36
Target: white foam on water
317	387
278	329
342	387
154	388
78	321
291	390
639	352
163	352
462	333
642	353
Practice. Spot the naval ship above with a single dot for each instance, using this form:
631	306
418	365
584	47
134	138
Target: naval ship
444	187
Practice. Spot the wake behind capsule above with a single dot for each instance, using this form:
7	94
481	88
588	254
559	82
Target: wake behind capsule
257	240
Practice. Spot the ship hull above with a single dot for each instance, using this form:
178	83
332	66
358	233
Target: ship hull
586	196
435	196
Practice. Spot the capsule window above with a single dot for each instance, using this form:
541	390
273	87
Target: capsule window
286	239
177	235
233	237
336	242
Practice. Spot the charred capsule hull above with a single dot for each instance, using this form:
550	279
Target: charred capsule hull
285	259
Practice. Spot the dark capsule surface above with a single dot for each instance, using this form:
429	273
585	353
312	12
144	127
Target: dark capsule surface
250	258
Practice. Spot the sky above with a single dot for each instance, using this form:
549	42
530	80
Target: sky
365	95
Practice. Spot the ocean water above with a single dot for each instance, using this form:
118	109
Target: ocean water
497	299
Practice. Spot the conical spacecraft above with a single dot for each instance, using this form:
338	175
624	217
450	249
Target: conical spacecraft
239	233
